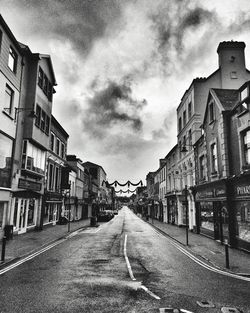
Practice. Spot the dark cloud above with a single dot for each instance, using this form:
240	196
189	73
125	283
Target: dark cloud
171	23
111	106
79	21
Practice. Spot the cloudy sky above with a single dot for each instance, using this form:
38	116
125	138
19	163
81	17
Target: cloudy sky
122	67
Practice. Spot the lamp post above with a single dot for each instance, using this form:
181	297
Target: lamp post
186	204
69	212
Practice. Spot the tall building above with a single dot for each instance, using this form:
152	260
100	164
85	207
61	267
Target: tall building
32	140
231	74
11	71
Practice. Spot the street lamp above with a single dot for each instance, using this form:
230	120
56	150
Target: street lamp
31	114
186	204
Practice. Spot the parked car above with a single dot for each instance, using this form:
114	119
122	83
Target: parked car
105	216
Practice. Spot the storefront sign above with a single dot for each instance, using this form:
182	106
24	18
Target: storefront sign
214	192
28	184
242	190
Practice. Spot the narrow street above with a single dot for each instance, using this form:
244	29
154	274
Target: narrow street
88	273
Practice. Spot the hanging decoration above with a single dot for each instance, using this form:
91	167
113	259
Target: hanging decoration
116	183
126	191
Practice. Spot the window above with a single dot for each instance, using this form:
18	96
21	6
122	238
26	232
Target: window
57	146
189	110
38	115
1	37
50	91
33	158
45	84
233	75
51	176
52	140
214	165
12	62
244	94
202	167
40	77
47	124
246	147
62	150
180	124
57	179
190	138
5	160
211	112
43	118
184	118
8	101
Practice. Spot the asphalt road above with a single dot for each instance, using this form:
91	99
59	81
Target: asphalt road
88	273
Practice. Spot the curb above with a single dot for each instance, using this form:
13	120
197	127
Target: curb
14	260
196	254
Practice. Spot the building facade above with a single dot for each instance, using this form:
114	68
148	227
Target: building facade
55	162
11	68
231	74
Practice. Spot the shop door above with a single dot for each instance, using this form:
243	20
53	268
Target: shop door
23	215
220	221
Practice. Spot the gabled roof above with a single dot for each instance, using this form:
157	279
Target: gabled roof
225	99
10	34
59	126
47	56
91	164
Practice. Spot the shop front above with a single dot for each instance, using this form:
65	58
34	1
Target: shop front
25	211
241	207
172	212
212	216
53	208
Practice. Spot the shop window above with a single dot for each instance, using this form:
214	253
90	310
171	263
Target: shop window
12	62
207	215
243	220
211	112
52	141
1	214
246	147
214	164
8	101
6	145
31	212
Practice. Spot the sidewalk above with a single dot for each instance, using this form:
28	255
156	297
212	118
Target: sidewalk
207	248
22	245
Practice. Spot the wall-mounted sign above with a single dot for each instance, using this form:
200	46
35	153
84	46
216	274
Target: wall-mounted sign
28	184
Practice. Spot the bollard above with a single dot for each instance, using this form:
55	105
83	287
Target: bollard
227	253
3	248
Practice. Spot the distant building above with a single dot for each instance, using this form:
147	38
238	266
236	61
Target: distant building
55	162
